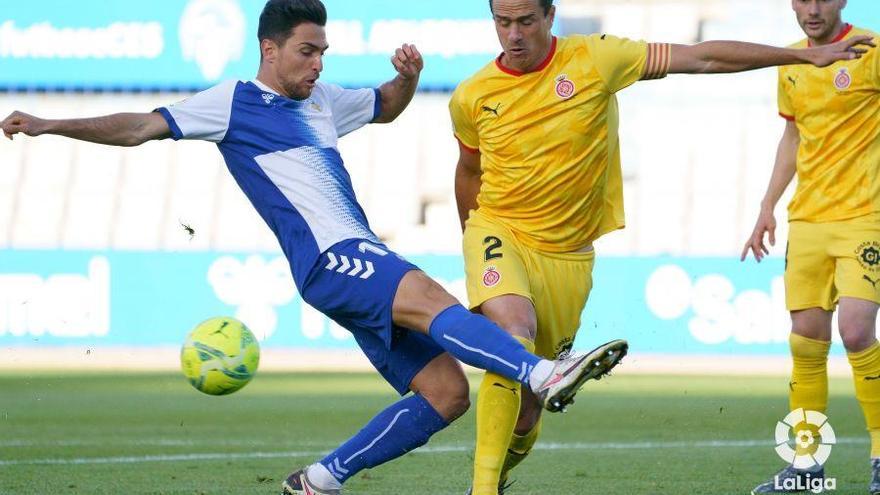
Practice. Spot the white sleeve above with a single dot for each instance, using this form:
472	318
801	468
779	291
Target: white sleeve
353	108
203	116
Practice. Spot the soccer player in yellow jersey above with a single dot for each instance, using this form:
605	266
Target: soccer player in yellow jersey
539	179
832	142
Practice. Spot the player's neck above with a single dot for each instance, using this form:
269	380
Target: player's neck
271	82
835	35
537	64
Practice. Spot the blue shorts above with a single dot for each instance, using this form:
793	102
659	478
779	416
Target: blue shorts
354	284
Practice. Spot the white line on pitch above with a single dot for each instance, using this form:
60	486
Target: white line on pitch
437	449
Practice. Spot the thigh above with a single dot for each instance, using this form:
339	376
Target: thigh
809	268
562	285
856	251
493	262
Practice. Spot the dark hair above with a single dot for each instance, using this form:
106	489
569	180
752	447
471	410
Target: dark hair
546	4
279	17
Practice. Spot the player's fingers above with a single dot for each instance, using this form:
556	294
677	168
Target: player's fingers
400	55
772	232
407	49
398	65
861	40
745	252
416	53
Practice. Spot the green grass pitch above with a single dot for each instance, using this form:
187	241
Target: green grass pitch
153	434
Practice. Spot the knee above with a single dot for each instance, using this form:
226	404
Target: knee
451	399
857	338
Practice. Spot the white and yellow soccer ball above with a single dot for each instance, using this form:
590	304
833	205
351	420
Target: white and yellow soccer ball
220	356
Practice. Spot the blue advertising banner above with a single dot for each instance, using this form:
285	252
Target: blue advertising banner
193	44
704	306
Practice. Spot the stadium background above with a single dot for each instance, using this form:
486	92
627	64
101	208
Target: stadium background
97	268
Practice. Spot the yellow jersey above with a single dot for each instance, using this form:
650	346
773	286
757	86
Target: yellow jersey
548	139
837	112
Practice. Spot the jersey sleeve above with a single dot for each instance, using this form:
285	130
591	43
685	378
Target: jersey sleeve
203	116
463	125
786	109
353	108
619	61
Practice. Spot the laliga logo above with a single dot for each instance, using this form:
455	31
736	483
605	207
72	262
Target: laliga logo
256	287
813	440
810	448
212	33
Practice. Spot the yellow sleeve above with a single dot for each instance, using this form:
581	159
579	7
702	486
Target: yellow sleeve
619	61
463	120
786	109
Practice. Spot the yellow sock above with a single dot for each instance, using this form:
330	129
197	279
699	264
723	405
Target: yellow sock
809	374
866	374
497	410
520	447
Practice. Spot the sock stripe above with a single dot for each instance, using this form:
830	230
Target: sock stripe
375	440
526	370
338	466
333	472
480	351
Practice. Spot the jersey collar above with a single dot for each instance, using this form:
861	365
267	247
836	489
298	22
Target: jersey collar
539	68
264	87
843	32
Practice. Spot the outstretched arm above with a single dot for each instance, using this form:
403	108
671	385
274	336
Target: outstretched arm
735	56
398	92
783	173
121	129
467	181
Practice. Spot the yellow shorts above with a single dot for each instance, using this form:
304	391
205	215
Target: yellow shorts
558	284
827	261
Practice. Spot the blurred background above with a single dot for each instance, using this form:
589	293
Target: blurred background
109	256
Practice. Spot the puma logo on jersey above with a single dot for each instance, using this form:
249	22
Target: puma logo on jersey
792	80
492	110
872	282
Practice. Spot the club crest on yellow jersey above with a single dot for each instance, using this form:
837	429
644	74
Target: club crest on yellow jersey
565	88
843	80
491	277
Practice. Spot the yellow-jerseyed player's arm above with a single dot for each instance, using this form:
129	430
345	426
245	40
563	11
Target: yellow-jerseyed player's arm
783	173
121	129
737	56
467	181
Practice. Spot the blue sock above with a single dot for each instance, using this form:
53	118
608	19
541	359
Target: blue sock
404	426
475	340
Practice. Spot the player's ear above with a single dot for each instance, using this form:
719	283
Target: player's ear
551	14
268	50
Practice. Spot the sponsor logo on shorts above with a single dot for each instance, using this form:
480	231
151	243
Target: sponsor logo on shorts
564	87
868	254
842	80
491	277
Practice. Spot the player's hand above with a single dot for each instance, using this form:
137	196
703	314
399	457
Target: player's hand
766	224
847	49
19	122
408	61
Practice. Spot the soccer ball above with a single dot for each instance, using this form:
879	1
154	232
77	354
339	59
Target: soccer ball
220	356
